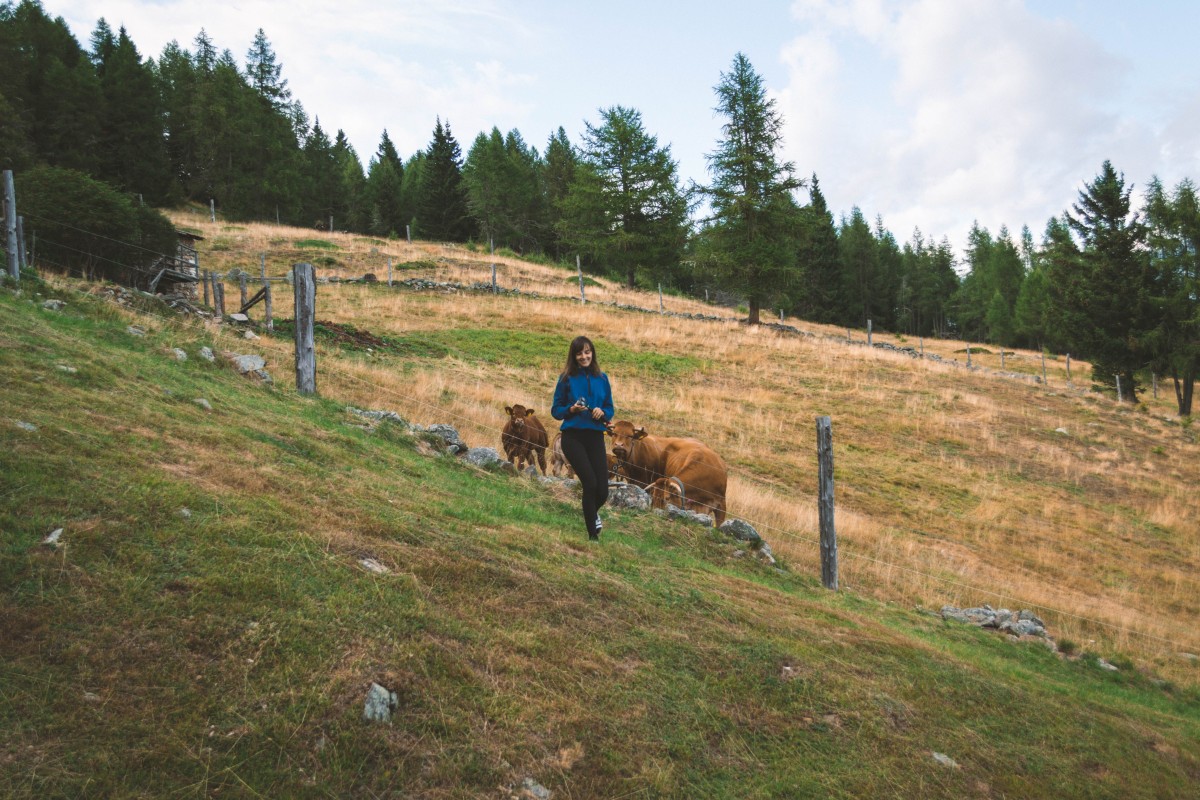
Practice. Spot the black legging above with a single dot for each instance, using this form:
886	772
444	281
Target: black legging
584	449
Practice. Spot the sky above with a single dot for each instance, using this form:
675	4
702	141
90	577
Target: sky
930	114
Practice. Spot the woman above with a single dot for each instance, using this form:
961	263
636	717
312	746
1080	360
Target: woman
583	401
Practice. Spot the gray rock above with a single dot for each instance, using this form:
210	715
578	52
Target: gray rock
1026	614
626	495
248	363
741	530
1023	627
390	416
134	330
449	434
250	335
53	305
945	760
1102	664
185	513
26	426
207	354
380	704
200	401
263	376
52	538
485	457
66	368
683	515
763	553
531	471
371	565
179	354
236	317
1192	657
535	790
1063	431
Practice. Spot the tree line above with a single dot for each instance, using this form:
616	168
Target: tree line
1105	283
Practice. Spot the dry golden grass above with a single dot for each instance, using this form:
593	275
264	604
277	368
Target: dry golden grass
953	485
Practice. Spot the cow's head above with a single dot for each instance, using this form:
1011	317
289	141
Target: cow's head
518	414
666	491
624	435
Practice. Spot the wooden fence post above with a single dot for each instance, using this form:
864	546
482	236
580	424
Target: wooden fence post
869	333
492	253
219	292
212	209
1120	395
579	269
242	286
306	301
660	300
389	272
10	226
829	565
968	354
1068	367
922	339
1044	381
408	233
266	291
22	253
204	281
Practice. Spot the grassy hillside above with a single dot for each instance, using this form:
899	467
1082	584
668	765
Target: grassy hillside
226	650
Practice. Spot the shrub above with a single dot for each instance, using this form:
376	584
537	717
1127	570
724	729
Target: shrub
85	227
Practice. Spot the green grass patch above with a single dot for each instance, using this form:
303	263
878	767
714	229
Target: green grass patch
316	244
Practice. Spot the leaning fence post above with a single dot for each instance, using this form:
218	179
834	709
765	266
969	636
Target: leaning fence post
829	567
579	269
10	226
306	356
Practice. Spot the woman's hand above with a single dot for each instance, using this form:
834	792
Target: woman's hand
597	414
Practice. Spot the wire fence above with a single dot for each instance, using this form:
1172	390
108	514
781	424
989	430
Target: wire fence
772	530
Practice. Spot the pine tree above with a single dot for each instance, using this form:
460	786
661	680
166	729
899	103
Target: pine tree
558	175
860	265
384	190
818	258
1173	220
1106	292
441	203
625	207
264	73
750	245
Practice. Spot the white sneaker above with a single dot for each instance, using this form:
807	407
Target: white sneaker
599	524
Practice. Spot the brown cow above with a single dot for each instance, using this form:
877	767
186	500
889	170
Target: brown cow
669	468
523	438
558	461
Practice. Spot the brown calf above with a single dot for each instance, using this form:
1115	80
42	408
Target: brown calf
672	470
523	438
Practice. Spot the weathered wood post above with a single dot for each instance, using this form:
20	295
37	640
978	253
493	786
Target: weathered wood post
781	316
10	226
579	269
266	291
661	309
1120	394
22	253
1001	356
408	233
389	272
922	339
212	209
968	354
219	292
1068	367
305	286
331	223
1154	382
242	287
204	281
868	333
829	565
1044	381
492	253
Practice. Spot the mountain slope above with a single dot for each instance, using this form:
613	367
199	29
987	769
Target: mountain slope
228	650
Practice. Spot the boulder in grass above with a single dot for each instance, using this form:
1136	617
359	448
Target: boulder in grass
626	495
380	704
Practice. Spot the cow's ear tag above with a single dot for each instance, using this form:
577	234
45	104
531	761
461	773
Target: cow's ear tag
529	412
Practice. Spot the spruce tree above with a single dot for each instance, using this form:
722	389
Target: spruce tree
750	243
820	297
441	203
625	207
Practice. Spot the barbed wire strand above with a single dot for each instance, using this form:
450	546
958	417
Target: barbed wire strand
763	526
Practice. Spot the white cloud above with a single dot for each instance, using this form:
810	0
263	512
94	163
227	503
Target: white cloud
985	111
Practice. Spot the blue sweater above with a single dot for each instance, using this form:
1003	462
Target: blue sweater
597	393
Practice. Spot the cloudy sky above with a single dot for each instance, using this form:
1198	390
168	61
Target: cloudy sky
929	113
